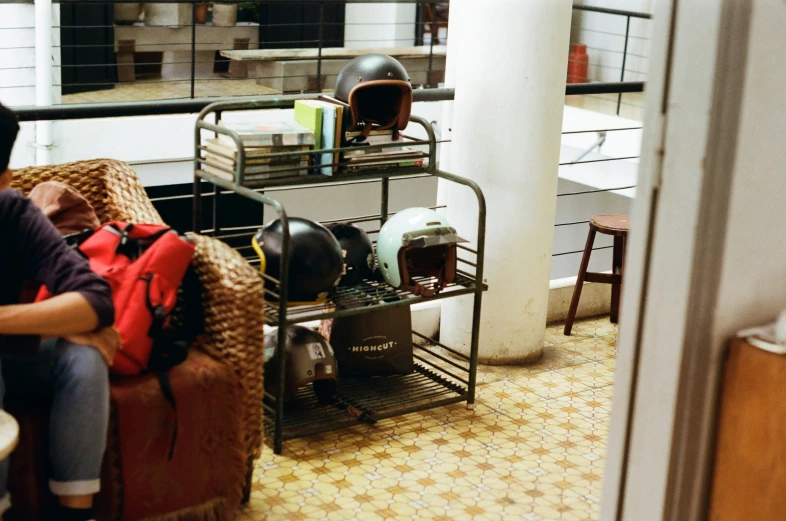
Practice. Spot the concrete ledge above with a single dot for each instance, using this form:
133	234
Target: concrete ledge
595	299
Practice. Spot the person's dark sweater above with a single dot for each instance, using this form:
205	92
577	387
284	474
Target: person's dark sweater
32	250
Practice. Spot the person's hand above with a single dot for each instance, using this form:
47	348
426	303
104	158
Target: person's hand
106	341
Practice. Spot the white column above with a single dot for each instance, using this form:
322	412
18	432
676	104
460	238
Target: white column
379	25
43	77
446	123
506	128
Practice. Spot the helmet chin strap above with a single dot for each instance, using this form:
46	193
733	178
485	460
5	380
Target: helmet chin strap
418	289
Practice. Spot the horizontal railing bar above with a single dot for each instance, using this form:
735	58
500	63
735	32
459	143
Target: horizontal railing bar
571	224
191	106
597	191
186	106
600	130
569	163
621	35
615	87
605	10
580	251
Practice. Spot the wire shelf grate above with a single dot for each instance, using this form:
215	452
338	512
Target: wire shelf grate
350	299
367	400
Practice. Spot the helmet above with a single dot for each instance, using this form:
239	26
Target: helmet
377	89
309	358
357	251
315	261
417	242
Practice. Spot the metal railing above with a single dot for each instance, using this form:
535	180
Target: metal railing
100	56
424	28
607	46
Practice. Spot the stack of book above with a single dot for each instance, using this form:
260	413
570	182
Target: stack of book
326	120
260	142
329	118
363	154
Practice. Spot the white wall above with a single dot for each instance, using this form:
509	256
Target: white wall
753	280
17	54
379	25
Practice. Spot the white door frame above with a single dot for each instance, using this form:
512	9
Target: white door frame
667	366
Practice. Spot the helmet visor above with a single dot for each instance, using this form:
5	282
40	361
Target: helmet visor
430	237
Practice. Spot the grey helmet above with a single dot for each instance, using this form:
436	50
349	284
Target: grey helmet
309	359
378	91
418	242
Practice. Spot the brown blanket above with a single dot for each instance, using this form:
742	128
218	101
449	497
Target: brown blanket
209	463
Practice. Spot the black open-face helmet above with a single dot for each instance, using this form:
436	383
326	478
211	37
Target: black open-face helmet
378	91
358	253
308	359
315	260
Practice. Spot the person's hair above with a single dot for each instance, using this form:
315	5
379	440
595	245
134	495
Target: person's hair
9	128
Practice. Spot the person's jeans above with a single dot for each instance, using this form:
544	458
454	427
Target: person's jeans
78	380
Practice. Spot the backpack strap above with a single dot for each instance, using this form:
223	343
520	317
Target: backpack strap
166	388
170	348
133	247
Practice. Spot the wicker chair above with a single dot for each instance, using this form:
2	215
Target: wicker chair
228	357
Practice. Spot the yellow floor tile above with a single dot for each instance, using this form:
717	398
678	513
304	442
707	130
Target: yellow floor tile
532	449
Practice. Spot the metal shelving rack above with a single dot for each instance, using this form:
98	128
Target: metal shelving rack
442	375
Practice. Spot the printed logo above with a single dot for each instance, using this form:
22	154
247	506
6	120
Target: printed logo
372	348
374	344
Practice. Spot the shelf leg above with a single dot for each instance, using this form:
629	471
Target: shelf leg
197	222
385	198
473	352
216	195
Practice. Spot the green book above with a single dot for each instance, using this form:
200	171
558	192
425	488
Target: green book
309	114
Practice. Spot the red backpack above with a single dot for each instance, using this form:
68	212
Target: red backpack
144	265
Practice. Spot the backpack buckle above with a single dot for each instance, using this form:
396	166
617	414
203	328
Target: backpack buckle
159	320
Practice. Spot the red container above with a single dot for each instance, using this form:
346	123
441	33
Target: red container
578	64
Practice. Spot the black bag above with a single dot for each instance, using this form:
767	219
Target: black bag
376	343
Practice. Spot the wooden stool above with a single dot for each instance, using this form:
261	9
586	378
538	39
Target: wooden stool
616	225
9	434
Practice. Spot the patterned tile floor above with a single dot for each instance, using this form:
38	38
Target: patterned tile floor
169	89
532	449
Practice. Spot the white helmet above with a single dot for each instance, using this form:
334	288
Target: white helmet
417	242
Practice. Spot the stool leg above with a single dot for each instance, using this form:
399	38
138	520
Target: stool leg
574	304
616	270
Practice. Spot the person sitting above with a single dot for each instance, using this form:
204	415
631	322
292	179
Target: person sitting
78	341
